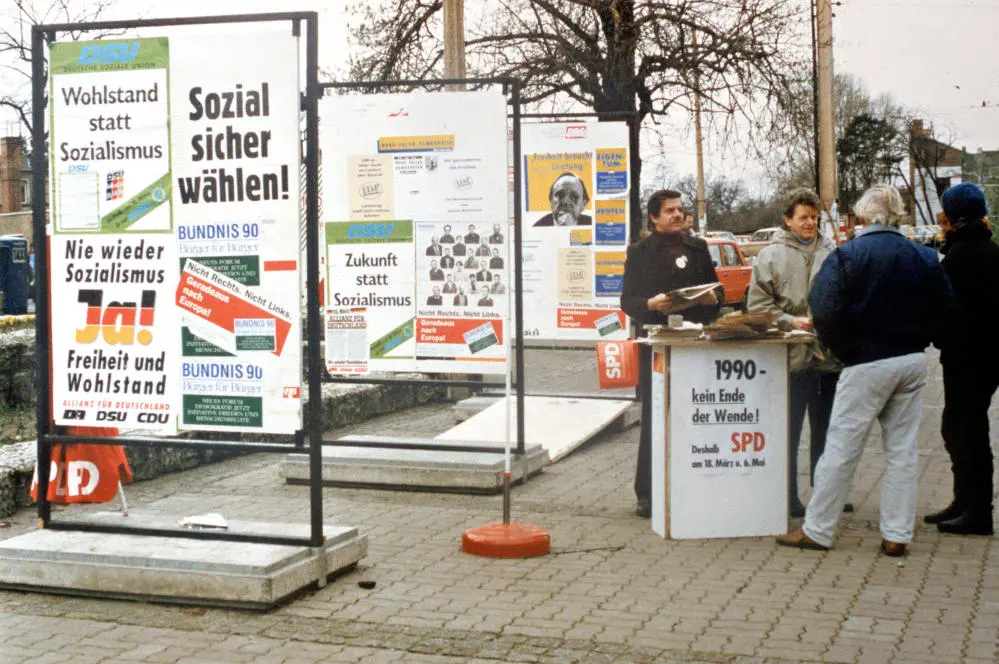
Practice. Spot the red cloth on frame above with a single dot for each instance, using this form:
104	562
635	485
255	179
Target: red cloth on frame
82	473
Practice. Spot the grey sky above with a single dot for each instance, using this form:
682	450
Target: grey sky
932	55
936	56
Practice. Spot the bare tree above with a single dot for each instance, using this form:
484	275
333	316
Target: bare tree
631	56
795	163
15	43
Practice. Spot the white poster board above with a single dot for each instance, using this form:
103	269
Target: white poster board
416	232
575	229
235	128
175	243
727	440
114	263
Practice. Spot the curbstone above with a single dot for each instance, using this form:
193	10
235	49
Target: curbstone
342	404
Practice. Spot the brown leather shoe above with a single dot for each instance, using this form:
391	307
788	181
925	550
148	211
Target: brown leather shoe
799	540
893	549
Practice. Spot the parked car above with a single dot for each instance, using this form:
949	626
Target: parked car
725	235
764	234
734	271
757	241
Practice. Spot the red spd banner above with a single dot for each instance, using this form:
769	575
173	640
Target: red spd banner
82	473
617	364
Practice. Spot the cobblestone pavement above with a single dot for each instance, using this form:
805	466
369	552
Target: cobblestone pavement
611	591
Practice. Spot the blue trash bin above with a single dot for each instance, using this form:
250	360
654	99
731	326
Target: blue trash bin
15	274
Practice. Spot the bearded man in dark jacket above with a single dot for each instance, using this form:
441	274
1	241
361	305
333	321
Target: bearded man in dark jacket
970	365
665	260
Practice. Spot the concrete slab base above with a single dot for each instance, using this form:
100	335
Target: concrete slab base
416	469
177	570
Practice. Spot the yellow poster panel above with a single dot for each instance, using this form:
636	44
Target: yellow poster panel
611	221
579	237
612	160
430	143
609	271
541	171
612	171
611	211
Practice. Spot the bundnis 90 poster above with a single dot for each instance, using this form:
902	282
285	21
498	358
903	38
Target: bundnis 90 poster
575	195
175	244
236	200
416	232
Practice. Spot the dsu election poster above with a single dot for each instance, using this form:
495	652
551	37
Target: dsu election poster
174	174
575	196
114	260
416	232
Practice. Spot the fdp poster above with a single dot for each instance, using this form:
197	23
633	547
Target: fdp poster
575	191
416	230
175	246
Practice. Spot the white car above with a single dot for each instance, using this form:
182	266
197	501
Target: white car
764	234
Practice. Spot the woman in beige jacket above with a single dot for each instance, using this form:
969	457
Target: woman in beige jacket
782	278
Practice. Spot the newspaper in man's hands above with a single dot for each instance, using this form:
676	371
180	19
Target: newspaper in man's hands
684	298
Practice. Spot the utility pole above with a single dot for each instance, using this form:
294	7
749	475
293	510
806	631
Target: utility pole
454	40
702	214
827	143
815	99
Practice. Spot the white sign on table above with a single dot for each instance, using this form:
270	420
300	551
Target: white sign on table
727	440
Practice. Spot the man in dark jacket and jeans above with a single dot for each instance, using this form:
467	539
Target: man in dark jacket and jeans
665	260
878	301
970	364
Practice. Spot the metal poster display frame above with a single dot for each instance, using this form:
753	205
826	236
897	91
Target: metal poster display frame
633	119
511	89
311	431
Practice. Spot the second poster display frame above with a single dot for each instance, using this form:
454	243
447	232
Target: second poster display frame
511	90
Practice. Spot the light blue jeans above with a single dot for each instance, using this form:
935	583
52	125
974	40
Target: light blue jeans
887	391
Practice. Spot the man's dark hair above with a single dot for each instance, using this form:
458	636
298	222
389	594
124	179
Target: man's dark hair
801	197
656	200
551	190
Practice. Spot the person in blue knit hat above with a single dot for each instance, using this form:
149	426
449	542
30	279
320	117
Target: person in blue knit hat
970	364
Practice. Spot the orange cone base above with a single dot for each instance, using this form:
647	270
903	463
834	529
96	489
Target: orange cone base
500	540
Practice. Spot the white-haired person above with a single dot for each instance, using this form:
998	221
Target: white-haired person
877	302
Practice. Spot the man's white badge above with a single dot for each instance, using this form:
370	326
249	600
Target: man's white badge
681	262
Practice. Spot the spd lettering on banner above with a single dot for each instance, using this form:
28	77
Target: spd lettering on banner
617	364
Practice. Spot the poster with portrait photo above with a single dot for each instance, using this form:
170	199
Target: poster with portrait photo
575	210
